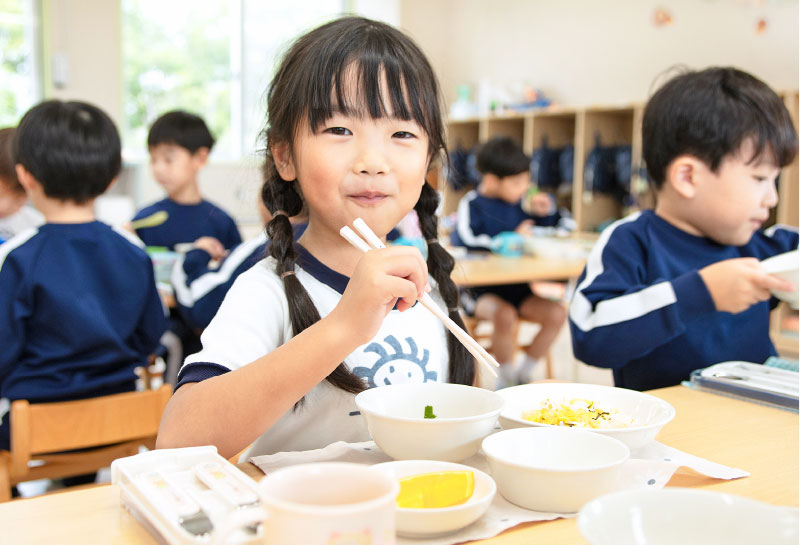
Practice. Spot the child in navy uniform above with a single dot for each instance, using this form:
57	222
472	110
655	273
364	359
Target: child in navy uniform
79	310
497	207
179	144
680	288
15	214
200	288
354	123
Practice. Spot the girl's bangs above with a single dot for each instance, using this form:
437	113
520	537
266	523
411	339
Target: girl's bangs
356	88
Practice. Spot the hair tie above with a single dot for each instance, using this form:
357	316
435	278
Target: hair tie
280	213
285	274
451	310
433	241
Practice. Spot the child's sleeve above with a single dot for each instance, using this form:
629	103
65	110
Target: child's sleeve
14	307
470	226
199	291
232	237
617	314
153	321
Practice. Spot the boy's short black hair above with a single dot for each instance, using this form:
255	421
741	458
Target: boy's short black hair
71	148
709	114
502	156
8	171
186	130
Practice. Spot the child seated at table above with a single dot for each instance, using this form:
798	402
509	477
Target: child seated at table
179	144
200	287
679	288
79	310
15	213
496	206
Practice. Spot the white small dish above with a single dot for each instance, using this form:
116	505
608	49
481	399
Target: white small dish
554	470
648	412
686	516
433	522
787	267
395	419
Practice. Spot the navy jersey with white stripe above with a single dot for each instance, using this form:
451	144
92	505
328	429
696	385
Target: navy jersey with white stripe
642	309
480	218
185	223
200	289
79	311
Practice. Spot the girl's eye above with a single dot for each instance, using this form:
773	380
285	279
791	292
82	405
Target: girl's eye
404	134
340	131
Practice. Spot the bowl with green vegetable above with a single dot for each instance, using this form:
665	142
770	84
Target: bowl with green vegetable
431	420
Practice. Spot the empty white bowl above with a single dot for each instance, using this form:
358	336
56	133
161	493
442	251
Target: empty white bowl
432	522
685	516
649	413
395	419
554	469
787	267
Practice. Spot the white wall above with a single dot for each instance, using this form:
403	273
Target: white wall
600	52
84	35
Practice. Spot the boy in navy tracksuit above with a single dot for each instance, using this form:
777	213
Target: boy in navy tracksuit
496	207
179	144
79	310
679	288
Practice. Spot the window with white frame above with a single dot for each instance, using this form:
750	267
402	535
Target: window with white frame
213	58
19	59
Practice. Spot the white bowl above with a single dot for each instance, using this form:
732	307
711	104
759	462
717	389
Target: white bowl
685	516
464	416
554	469
649	413
432	522
787	267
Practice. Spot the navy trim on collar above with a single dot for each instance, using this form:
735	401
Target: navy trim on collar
323	273
320	271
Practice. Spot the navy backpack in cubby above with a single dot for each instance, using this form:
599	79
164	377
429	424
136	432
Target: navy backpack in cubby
623	168
545	171
599	172
566	166
462	172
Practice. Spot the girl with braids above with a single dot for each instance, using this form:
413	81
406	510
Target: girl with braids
354	123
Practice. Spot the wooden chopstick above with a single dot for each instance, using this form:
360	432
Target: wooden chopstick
474	348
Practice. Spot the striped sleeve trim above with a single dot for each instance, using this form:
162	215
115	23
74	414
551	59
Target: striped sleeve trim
188	294
770	231
468	238
199	371
130	237
618	309
15	242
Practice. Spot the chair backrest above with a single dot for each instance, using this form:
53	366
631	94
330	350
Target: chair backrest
44	428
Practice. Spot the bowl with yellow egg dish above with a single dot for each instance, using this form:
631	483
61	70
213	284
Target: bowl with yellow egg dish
635	418
438	498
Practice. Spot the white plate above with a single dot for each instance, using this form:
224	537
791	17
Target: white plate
650	413
786	266
427	523
687	517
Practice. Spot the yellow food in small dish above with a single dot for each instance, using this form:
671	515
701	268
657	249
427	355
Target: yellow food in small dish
437	489
580	413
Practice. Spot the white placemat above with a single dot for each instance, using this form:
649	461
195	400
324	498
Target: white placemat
649	467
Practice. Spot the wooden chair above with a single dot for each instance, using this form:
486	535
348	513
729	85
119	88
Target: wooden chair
103	428
480	330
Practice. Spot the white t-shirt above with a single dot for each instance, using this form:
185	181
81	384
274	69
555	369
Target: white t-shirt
21	220
253	320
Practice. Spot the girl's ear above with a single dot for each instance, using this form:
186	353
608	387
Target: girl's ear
684	174
283	162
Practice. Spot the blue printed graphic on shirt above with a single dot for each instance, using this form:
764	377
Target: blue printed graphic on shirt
396	366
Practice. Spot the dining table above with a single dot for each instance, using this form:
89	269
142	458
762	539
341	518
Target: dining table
760	439
564	262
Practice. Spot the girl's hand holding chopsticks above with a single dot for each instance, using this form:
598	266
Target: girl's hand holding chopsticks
381	279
